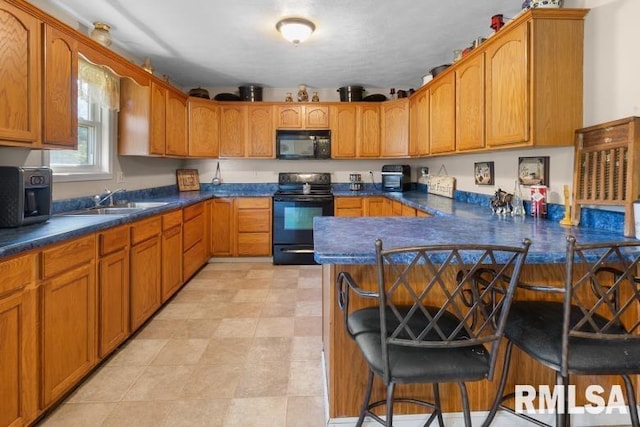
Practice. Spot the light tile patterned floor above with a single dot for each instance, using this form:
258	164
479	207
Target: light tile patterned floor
239	346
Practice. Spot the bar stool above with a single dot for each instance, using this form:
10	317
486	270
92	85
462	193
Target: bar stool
593	330
438	316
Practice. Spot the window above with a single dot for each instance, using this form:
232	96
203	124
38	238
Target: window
98	102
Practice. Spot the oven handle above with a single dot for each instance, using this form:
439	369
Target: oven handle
297	251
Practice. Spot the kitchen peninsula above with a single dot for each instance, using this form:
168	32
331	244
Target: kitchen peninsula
347	244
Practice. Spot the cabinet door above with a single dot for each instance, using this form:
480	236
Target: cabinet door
171	261
290	117
316	117
222	227
233	124
470	104
419	123
343	132
18	388
146	280
60	94
204	128
442	110
113	301
157	140
176	125
368	131
376	206
68	324
395	128
261	142
507	109
135	137
20	83
347	206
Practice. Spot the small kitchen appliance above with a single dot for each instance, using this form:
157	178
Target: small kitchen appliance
25	195
396	177
303	144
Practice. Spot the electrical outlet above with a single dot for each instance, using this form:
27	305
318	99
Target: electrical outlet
120	177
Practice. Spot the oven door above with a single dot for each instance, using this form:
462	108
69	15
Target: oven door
293	227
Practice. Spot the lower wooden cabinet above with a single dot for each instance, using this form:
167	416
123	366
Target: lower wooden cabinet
373	206
194	252
171	254
376	206
241	226
18	338
113	289
348	206
67	316
146	270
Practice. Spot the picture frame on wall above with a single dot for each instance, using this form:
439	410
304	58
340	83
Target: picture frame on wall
533	170
188	179
483	173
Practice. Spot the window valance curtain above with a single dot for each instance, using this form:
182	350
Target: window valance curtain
98	85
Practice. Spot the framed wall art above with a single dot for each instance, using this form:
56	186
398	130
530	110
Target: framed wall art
188	179
533	170
483	173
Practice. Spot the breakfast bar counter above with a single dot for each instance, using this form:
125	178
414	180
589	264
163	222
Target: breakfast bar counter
347	244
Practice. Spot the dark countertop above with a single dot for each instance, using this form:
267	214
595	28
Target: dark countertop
341	240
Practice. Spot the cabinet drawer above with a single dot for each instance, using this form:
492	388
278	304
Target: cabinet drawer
172	219
145	229
348	203
253	203
254	220
113	240
193	232
192	259
68	255
192	211
254	244
610	135
17	273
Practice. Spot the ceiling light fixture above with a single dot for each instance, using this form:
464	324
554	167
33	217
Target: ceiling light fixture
295	30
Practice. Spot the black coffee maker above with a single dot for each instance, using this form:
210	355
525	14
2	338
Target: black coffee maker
25	195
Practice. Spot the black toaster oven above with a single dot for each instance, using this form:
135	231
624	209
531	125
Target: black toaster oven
396	178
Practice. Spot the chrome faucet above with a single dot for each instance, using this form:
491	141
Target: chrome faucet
99	200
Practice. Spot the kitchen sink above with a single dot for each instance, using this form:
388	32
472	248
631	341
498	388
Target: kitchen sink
126	209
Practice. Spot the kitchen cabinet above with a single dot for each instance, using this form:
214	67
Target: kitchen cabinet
18	341
241	226
533	82
204	128
20	85
172	256
302	117
419	122
442	114
260	132
222	227
343	130
469	104
233	124
376	206
176	138
395	128
253	226
194	252
368	131
348	206
60	89
158	138
407	210
145	270
113	289
67	316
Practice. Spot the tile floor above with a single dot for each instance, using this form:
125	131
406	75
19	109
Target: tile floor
239	345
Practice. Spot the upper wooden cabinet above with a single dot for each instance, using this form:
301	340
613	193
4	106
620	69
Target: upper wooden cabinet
291	116
20	85
176	124
534	79
204	128
60	94
419	123
395	128
368	131
343	130
261	135
247	130
442	111
469	119
233	130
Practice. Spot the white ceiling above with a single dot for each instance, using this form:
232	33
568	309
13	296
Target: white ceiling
227	43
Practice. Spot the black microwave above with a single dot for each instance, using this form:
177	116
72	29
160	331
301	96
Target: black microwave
303	144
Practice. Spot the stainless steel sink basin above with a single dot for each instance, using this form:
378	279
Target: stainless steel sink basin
129	208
